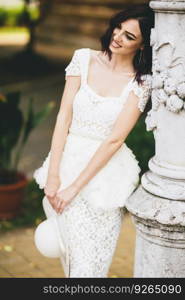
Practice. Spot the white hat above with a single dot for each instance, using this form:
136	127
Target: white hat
51	241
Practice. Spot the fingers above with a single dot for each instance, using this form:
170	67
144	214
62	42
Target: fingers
51	197
57	203
61	207
61	204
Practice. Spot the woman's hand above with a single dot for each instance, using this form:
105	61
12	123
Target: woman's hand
51	188
64	197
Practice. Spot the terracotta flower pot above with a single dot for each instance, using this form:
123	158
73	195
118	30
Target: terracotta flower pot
11	196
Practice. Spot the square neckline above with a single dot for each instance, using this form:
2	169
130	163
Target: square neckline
93	91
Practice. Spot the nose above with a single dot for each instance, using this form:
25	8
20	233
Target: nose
117	39
117	36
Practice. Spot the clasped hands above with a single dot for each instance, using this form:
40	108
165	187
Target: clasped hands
60	199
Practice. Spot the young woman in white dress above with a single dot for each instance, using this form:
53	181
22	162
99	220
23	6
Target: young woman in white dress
90	172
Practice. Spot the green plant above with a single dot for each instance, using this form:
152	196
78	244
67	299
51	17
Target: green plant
15	129
10	16
14	16
31	211
142	143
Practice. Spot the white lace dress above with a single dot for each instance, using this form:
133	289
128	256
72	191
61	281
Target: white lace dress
93	219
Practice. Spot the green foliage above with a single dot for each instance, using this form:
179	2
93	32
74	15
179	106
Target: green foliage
10	16
11	122
10	29
31	213
142	143
3	17
15	129
14	16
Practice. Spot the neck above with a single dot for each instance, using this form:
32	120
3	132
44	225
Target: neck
119	63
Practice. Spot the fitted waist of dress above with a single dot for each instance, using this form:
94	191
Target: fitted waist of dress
80	134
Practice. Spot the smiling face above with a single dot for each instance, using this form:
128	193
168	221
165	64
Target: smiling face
126	38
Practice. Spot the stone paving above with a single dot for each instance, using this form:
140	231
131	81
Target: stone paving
20	258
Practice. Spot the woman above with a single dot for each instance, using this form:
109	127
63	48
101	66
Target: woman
90	172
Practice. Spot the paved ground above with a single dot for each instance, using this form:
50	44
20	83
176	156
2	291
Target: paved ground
20	258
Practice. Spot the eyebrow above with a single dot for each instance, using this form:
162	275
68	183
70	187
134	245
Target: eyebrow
131	34
128	32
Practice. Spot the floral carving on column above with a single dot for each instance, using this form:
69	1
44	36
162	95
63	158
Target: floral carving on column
166	89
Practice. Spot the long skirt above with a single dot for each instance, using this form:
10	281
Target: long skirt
92	236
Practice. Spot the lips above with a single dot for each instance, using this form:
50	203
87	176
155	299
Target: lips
116	43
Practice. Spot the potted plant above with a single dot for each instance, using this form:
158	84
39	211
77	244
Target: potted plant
15	129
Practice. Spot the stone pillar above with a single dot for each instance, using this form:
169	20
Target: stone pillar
158	205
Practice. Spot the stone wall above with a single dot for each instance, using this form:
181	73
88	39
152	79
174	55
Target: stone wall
73	24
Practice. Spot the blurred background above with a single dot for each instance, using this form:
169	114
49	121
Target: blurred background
37	40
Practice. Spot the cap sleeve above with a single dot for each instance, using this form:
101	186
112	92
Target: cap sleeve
143	91
73	68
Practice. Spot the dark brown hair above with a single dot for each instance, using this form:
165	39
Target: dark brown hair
145	16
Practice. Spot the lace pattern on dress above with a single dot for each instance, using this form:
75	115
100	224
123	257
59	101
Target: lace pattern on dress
91	234
73	68
143	91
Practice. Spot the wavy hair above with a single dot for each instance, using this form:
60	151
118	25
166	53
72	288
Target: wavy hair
145	16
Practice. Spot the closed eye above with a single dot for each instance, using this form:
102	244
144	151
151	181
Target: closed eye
129	37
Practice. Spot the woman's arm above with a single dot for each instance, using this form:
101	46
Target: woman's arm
127	118
122	127
63	122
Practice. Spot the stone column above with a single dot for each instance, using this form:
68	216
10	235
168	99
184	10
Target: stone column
158	205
